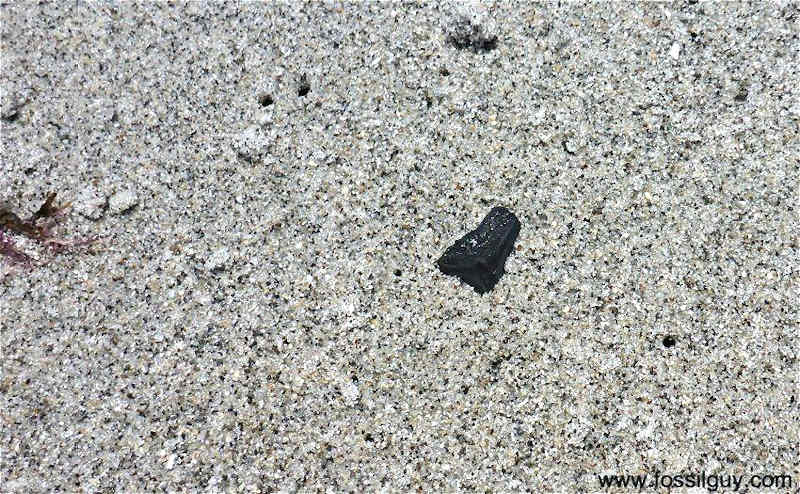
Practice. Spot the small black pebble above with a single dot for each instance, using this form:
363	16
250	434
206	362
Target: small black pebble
11	117
669	341
397	272
304	87
479	257
265	100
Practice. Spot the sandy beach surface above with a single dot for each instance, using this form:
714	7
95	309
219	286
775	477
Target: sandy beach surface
271	185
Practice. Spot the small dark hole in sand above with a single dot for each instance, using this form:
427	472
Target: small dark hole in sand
29	171
669	341
265	100
397	272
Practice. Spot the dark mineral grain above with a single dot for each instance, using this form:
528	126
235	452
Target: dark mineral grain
464	35
479	257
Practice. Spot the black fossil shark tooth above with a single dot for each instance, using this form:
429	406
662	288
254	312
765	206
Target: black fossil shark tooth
479	257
